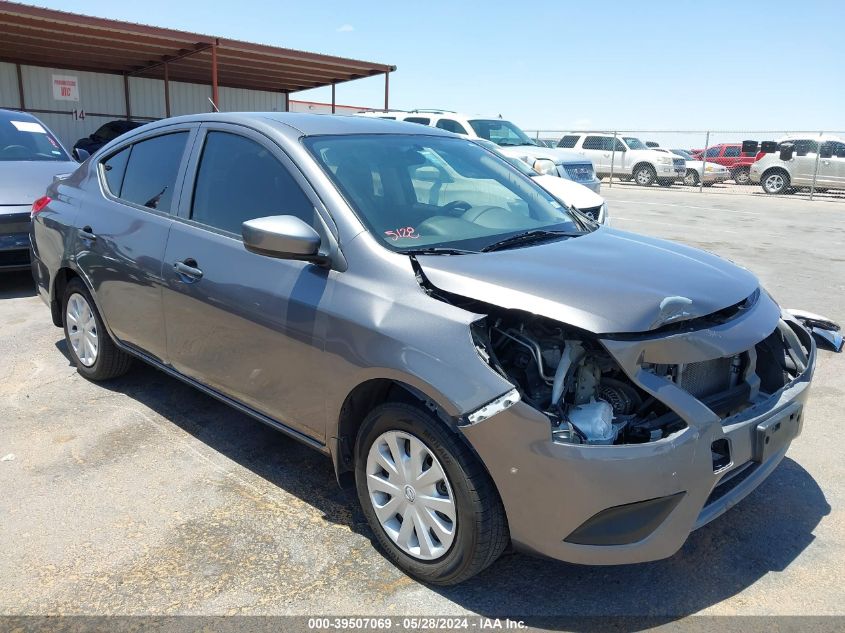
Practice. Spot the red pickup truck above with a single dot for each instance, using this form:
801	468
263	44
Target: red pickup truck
731	156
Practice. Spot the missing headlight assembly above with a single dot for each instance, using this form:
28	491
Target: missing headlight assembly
570	377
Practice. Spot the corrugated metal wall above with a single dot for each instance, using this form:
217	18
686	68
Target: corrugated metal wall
102	98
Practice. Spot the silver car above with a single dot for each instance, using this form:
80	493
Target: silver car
30	156
484	366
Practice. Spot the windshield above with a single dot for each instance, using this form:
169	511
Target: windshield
501	132
415	192
24	139
684	153
635	143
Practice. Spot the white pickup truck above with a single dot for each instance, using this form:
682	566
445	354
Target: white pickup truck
631	158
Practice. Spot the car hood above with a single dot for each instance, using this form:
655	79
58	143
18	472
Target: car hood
570	193
24	181
534	152
607	281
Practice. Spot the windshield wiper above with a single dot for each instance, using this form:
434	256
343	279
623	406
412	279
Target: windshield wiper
438	250
535	235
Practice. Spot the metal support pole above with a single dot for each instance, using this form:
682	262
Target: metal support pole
20	88
167	90
704	163
816	170
333	101
612	160
214	92
386	89
127	97
287	101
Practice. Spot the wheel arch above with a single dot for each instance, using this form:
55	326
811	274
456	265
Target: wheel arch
643	163
61	279
362	399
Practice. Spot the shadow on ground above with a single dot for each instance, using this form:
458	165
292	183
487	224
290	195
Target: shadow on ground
16	285
764	534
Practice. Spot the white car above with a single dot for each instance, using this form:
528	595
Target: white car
512	142
627	156
699	171
569	193
777	175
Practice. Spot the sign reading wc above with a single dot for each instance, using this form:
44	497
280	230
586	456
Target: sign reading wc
65	88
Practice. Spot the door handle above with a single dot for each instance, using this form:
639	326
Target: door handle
188	270
87	234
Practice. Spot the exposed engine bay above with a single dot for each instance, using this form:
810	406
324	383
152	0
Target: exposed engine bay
570	377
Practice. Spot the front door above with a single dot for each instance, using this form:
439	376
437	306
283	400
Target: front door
244	324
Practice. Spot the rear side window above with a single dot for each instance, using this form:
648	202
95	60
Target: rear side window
152	170
418	119
731	152
713	152
451	126
568	141
114	168
239	180
594	142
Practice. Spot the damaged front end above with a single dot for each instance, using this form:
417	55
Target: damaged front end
613	447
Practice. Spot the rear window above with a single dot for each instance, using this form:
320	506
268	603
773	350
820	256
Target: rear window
568	141
418	119
451	126
24	139
152	170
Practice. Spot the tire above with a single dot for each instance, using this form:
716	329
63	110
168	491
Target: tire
664	182
644	175
691	178
93	352
775	181
471	539
742	176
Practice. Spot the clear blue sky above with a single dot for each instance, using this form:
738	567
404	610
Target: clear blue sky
653	64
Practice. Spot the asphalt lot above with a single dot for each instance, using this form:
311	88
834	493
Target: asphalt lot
144	496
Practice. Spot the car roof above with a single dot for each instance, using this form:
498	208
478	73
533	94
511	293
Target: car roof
307	124
8	115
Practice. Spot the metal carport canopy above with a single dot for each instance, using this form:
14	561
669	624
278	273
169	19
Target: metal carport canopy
47	37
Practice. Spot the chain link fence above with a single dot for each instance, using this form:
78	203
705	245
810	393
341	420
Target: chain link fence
808	164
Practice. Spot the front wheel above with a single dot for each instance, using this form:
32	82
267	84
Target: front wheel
645	175
691	177
775	182
429	502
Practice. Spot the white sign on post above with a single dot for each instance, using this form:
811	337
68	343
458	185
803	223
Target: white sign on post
65	88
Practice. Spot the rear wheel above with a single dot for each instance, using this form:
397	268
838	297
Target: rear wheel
644	175
430	503
775	181
93	352
691	177
742	176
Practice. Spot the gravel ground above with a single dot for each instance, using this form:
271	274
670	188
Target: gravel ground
144	496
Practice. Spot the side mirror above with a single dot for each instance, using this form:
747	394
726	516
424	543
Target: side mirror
768	147
750	147
283	237
786	152
80	155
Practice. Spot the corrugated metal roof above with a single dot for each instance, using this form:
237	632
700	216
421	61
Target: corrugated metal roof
47	37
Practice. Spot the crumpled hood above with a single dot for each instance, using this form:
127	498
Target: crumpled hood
607	281
534	152
24	181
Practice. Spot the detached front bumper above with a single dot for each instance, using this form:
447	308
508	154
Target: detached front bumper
608	505
14	238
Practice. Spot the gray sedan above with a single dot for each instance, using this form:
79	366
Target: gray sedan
484	366
30	156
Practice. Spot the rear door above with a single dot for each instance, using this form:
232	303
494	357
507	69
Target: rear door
832	165
597	149
245	324
803	162
122	232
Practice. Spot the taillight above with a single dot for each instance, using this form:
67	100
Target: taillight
38	205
